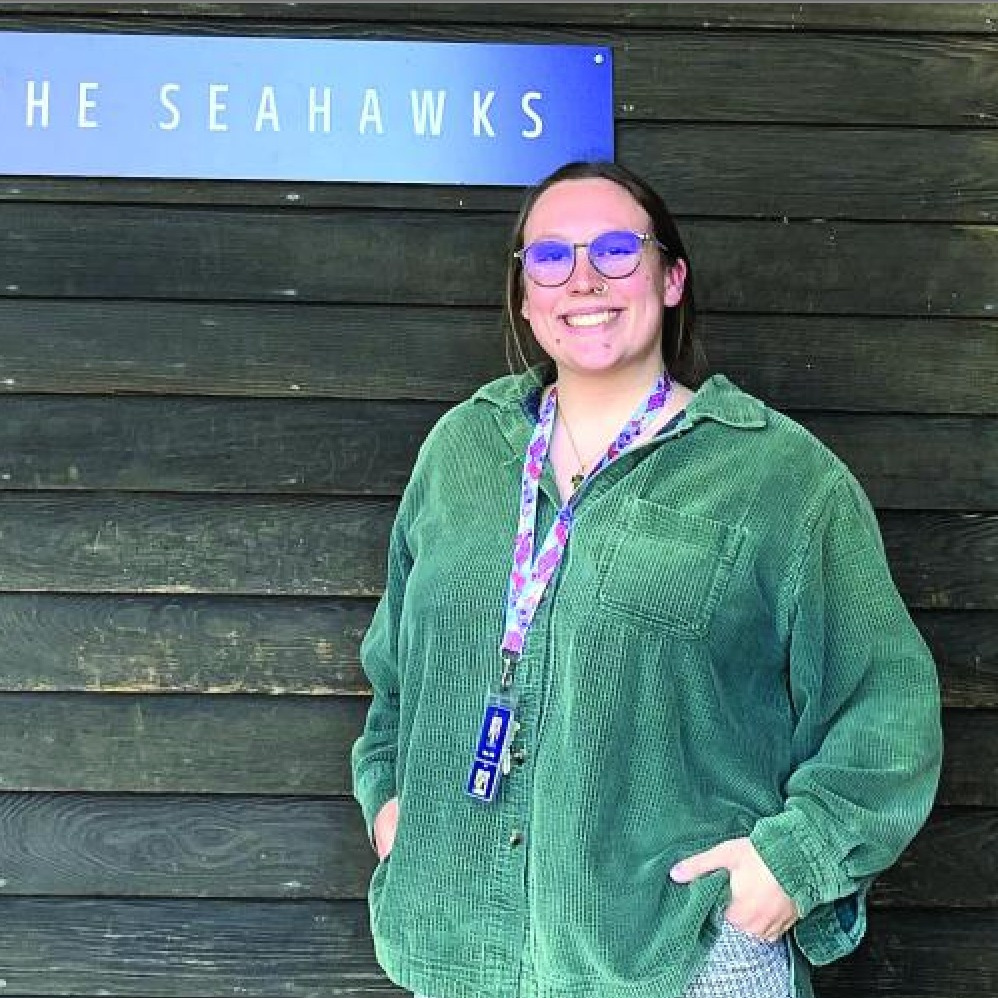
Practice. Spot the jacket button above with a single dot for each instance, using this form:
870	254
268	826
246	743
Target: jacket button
516	838
519	756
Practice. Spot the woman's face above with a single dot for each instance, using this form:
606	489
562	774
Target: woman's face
593	324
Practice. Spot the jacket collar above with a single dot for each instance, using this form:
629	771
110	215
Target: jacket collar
718	399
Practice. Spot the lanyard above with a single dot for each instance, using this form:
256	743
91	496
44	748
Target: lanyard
529	577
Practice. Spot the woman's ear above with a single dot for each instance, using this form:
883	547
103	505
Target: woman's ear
675	281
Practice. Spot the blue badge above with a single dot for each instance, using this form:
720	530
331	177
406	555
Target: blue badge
493	742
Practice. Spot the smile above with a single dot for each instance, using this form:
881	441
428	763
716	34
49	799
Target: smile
584	320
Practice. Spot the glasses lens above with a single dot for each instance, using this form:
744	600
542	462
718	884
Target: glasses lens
549	262
616	254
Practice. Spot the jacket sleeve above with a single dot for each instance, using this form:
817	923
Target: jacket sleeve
375	752
867	741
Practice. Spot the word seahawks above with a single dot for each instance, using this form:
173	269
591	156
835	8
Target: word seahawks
224	107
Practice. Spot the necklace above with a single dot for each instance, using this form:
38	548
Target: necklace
579	477
634	428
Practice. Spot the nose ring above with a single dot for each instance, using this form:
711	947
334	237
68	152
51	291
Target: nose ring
600	289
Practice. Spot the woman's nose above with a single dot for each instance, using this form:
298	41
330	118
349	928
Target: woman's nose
585	278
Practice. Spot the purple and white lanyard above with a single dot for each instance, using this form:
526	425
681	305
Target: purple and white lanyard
529	577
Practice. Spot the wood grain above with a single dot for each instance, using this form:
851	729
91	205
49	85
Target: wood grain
914	462
188	949
130	252
963	18
943	561
292	446
91	542
168	845
965	646
179	743
182	644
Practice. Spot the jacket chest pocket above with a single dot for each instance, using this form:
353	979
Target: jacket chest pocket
668	569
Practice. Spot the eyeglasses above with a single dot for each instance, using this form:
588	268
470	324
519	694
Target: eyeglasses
551	262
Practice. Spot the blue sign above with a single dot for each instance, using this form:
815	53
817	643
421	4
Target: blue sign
98	105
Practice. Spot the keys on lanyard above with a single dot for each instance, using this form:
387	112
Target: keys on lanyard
529	579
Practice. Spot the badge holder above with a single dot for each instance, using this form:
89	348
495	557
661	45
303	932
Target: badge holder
492	751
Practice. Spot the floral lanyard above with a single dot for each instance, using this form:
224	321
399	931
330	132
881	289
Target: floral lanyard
529	578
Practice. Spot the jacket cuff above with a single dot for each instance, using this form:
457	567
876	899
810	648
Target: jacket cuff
800	861
373	790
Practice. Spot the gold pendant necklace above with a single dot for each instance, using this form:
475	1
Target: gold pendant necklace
580	476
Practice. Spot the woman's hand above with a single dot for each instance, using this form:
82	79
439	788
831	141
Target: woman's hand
385	824
759	904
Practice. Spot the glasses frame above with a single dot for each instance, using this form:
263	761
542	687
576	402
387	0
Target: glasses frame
644	237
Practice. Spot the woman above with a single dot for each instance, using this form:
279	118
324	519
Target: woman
649	714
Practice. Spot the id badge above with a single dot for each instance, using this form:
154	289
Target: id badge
494	736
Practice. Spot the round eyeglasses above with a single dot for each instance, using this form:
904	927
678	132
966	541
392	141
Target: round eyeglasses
551	262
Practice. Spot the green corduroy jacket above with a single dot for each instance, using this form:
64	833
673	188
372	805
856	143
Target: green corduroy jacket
722	653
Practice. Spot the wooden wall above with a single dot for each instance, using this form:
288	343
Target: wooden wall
211	395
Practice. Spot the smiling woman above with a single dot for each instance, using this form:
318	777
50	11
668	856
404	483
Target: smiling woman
649	714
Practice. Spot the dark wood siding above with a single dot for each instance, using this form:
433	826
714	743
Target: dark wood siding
206	419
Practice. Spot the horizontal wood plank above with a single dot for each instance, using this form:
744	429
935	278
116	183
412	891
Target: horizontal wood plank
368	448
919	955
952	563
913	462
216	645
179	743
828	362
952	863
263	349
281	745
99	251
704	170
376	352
182	644
318	546
965	647
876	80
186	544
781	76
970	759
168	845
979	18
190	949
774	171
195	445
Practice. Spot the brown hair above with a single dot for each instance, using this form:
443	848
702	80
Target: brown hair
679	349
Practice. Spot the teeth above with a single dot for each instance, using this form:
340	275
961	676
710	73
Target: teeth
588	319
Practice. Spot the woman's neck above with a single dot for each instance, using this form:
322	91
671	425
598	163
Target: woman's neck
604	399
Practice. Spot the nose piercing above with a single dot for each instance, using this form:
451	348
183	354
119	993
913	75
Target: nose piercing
599	289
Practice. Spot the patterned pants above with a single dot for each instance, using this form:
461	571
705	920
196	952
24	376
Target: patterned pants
741	966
